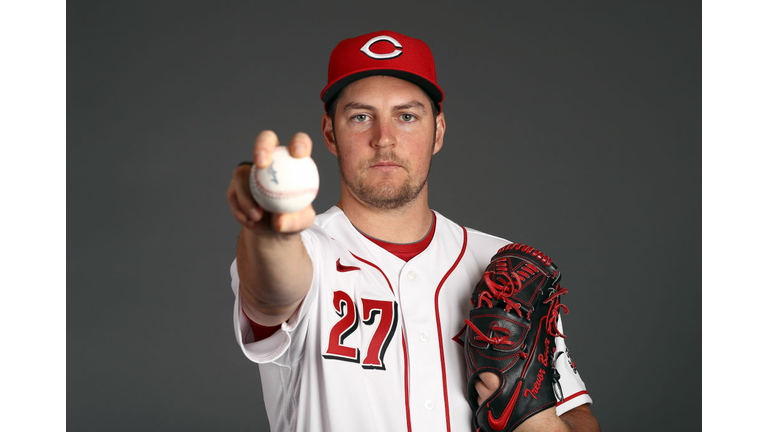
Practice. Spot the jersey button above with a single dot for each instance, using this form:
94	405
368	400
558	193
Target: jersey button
424	336
429	405
411	275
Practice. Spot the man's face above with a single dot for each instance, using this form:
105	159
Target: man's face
384	136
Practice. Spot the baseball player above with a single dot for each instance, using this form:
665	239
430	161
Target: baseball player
356	316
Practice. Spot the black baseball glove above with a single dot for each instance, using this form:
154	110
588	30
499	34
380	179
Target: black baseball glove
510	332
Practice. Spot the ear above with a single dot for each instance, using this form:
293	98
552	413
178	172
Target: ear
439	132
328	136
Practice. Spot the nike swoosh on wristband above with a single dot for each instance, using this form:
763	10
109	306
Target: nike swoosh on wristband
501	422
342	268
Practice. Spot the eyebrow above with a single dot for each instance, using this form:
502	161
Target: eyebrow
410	105
358	106
405	106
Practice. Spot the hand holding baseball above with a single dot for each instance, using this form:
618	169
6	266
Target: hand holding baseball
283	210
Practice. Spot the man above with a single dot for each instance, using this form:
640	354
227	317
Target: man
356	316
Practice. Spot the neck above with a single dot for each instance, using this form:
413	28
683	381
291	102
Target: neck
406	224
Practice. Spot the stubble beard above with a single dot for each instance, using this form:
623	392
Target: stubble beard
386	196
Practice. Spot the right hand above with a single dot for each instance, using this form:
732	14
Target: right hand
244	207
486	386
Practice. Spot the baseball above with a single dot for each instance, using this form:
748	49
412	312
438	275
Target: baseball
287	185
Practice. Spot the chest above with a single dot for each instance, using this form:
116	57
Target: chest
373	313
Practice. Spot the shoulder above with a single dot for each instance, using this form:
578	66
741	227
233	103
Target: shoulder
328	223
331	217
482	239
320	235
331	230
479	245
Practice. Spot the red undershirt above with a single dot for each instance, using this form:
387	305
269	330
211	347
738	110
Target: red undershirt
403	251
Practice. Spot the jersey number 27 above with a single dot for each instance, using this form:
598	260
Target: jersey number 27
348	323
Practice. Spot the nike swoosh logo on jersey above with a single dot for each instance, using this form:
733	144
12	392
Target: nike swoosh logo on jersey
501	422
342	268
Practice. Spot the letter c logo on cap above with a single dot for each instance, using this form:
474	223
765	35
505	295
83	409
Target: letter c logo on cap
367	48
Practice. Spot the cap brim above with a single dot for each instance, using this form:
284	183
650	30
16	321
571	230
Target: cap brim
432	90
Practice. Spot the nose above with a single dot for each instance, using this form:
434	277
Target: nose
384	134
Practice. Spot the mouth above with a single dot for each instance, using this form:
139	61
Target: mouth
385	166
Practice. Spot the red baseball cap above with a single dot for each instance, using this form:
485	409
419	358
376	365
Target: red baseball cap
382	53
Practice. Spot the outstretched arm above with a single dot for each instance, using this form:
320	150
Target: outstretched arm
274	268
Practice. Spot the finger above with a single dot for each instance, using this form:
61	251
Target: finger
238	212
240	197
263	147
300	146
483	392
486	386
294	222
246	202
248	218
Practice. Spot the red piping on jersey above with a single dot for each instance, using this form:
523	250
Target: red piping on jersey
377	268
405	348
407	402
583	392
440	332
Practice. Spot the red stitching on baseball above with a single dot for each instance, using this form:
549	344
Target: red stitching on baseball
281	195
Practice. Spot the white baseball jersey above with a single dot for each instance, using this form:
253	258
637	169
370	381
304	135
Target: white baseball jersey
377	344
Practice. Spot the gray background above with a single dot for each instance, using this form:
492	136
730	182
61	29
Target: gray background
572	126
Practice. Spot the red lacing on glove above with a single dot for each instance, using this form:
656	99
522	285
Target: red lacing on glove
508	287
496	340
528	250
554	310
